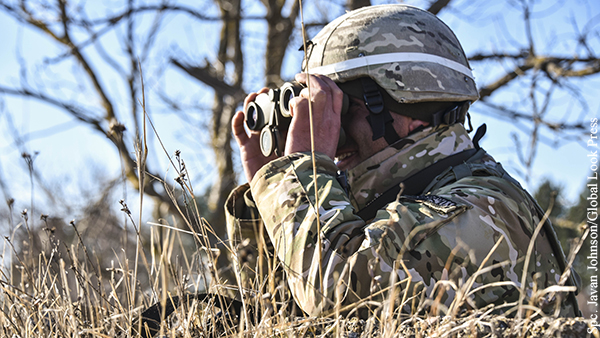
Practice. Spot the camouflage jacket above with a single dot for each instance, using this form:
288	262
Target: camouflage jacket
462	244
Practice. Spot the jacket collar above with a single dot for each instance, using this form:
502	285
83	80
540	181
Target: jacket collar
404	158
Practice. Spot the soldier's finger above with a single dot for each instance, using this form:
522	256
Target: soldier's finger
315	82
237	125
300	77
249	98
337	94
319	93
299	106
252	96
325	84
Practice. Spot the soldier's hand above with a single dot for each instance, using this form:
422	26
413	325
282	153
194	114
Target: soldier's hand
327	100
251	156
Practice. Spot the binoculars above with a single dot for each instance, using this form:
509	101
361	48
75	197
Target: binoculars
270	113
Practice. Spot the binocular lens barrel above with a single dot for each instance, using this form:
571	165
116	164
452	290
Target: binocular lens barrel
272	109
254	117
288	92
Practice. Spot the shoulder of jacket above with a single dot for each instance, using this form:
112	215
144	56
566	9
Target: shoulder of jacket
435	202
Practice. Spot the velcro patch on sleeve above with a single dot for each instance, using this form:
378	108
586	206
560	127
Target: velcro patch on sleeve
435	202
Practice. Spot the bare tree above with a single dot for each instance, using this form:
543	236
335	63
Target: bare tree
228	95
104	117
544	68
548	71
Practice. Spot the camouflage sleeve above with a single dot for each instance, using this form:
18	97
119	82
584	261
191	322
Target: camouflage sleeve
242	217
446	237
246	237
356	259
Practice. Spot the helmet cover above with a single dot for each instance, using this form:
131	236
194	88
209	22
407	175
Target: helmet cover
409	52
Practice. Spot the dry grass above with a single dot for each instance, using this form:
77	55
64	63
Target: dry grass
68	289
71	298
54	285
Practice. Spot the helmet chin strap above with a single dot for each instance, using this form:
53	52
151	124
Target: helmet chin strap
380	119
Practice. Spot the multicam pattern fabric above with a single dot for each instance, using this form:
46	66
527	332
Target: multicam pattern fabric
409	52
465	241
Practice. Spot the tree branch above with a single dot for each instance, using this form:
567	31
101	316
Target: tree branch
488	90
356	4
208	75
279	32
554	67
84	116
77	112
554	126
437	6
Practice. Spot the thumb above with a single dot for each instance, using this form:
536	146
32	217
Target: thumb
237	126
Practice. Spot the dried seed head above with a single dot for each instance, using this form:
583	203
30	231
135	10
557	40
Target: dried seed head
116	127
124	208
179	180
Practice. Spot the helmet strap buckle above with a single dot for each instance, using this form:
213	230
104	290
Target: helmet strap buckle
379	118
372	96
450	116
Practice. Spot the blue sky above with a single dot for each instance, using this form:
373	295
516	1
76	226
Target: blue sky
71	156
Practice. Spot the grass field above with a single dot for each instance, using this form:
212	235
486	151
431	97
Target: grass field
98	276
54	285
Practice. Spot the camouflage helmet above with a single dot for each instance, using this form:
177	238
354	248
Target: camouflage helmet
409	52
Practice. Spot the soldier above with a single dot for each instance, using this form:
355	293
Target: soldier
424	209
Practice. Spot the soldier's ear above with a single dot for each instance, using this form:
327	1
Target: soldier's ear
414	124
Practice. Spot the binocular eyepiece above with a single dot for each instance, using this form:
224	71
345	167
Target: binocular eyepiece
270	113
273	107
